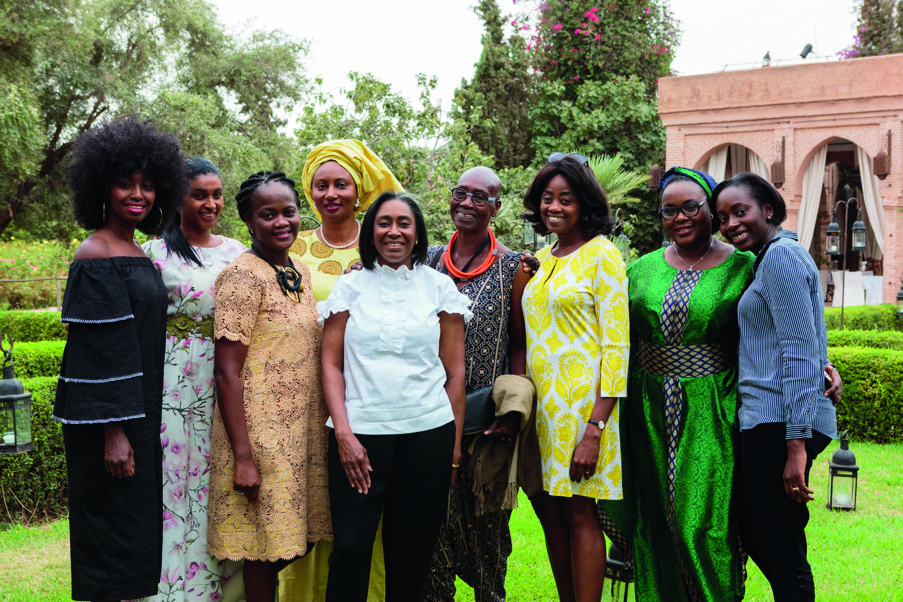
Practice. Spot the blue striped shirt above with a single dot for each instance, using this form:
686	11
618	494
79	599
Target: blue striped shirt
784	345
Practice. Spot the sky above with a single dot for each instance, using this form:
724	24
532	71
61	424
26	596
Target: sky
397	39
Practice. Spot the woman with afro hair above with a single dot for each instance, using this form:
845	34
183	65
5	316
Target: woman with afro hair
125	175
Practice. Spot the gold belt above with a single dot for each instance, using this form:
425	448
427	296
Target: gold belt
183	326
688	361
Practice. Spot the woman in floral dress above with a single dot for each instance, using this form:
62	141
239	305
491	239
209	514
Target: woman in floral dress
189	257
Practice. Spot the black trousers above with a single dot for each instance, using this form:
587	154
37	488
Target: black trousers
409	489
772	526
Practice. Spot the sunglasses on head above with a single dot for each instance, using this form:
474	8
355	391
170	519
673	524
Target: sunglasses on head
559	156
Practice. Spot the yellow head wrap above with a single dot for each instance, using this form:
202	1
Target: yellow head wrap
371	176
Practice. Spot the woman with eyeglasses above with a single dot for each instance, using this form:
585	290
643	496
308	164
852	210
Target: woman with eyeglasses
679	434
474	541
577	346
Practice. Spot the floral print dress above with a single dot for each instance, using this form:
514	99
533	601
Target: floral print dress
189	572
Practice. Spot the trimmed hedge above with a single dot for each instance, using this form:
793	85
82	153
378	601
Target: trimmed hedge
864	317
41	358
871	407
33	485
873	339
26	326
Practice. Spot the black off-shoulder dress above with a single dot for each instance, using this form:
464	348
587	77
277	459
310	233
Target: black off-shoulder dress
112	371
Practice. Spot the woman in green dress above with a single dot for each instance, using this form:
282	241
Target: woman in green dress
679	435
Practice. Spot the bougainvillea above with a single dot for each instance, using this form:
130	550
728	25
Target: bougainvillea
879	29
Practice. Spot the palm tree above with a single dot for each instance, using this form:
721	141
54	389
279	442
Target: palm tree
616	181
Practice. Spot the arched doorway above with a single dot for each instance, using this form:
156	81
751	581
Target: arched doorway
732	159
840	170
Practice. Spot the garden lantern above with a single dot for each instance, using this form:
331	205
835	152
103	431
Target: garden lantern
619	572
832	242
533	241
900	303
858	233
843	477
15	409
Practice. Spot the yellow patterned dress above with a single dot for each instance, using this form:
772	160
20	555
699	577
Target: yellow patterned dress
578	341
285	416
326	264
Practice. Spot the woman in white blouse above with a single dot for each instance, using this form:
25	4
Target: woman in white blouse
393	378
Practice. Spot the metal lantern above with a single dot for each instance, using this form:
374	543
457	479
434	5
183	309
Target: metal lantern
533	241
858	233
619	572
843	477
15	409
900	303
832	241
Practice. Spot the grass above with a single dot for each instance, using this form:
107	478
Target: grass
854	555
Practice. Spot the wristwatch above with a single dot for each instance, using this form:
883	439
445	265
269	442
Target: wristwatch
598	423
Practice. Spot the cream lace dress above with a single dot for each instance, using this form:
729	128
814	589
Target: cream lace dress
285	416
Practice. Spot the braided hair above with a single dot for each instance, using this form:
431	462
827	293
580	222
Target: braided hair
250	187
172	235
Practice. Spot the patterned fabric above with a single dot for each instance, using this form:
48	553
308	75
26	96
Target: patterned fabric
680	432
575	309
189	571
476	548
325	263
285	417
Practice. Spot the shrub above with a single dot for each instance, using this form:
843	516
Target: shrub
26	326
871	407
40	358
864	317
33	484
37	259
866	338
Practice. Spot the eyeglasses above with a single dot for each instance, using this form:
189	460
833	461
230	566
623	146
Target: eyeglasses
559	156
479	199
689	209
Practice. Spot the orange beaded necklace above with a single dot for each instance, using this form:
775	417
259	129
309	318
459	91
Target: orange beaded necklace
461	274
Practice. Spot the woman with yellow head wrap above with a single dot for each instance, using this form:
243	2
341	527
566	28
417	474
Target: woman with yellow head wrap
341	178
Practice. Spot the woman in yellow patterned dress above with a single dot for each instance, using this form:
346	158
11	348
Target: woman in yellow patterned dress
341	178
577	348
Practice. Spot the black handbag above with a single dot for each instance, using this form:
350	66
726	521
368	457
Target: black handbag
479	411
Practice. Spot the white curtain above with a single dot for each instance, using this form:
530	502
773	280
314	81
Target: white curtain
717	164
757	165
813	180
739	164
873	205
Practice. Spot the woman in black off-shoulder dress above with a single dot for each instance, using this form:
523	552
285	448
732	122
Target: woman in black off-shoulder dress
124	175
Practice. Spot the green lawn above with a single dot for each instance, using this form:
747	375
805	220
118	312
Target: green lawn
855	556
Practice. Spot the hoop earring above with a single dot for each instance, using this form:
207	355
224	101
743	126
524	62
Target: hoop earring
154	229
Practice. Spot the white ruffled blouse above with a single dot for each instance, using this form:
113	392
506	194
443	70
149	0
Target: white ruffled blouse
394	379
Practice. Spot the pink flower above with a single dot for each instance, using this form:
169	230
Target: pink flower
177	448
192	570
647	10
169	520
557	27
165	441
597	37
576	31
584	25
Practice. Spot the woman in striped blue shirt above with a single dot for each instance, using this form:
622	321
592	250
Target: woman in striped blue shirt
786	418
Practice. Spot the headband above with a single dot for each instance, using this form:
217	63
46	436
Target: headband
705	181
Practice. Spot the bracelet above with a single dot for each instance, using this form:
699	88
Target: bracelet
598	423
455	466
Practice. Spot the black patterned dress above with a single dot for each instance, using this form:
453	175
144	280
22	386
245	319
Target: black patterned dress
476	548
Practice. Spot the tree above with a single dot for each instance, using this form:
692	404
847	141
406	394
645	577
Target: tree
495	103
77	62
879	29
598	64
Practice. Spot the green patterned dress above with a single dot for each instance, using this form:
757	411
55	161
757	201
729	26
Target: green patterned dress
679	434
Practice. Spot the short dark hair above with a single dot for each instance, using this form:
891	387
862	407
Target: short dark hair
172	235
367	246
254	183
682	178
595	215
123	147
759	189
